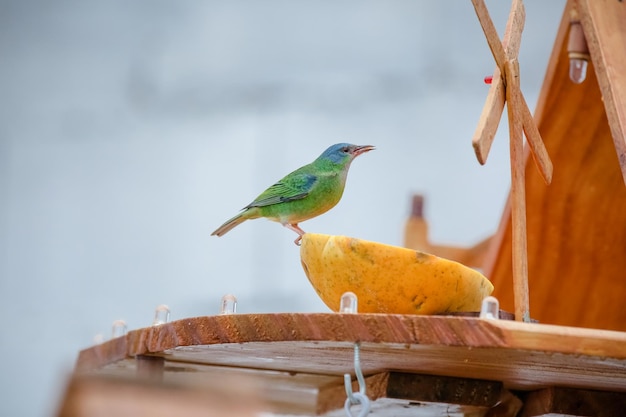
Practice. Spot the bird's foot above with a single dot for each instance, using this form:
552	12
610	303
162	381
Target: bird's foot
296	228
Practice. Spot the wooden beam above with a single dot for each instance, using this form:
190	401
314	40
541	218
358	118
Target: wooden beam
442	389
518	194
497	49
604	24
98	395
494	104
490	117
521	355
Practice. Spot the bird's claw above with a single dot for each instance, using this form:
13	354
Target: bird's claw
295	228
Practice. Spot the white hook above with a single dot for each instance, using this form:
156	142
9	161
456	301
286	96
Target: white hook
359	397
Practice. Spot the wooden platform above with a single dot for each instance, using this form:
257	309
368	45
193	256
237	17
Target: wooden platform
296	362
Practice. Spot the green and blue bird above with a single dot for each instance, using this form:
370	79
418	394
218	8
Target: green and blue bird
303	194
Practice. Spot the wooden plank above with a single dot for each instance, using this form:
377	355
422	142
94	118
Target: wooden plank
88	396
494	104
388	328
605	30
477	393
518	193
535	142
522	355
574	402
313	394
103	353
106	395
489	29
505	54
576	237
279	391
523	370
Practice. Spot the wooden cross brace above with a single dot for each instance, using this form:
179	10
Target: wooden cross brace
506	88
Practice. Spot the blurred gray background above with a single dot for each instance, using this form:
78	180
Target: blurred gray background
131	130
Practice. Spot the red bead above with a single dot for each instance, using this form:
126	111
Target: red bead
488	79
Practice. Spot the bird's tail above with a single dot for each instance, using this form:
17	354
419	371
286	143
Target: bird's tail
229	224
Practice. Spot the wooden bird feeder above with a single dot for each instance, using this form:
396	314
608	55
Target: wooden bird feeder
559	256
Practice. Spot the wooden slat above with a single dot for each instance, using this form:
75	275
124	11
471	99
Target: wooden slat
494	104
527	370
535	143
498	94
279	391
604	24
489	29
522	355
103	353
89	396
518	194
576	233
439	389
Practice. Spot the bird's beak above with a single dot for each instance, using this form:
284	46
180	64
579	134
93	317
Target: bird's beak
362	149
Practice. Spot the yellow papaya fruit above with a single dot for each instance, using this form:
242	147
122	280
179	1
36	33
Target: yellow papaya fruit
389	279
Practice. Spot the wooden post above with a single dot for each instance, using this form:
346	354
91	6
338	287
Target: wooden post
518	193
520	120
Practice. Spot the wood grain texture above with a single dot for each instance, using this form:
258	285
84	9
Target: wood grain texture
604	24
577	225
505	55
494	104
489	29
521	355
279	391
535	143
518	193
96	396
439	389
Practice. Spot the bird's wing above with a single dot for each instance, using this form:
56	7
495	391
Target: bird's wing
293	187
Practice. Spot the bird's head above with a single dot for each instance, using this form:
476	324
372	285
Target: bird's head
344	153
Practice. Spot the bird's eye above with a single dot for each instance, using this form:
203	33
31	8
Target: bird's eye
345	149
